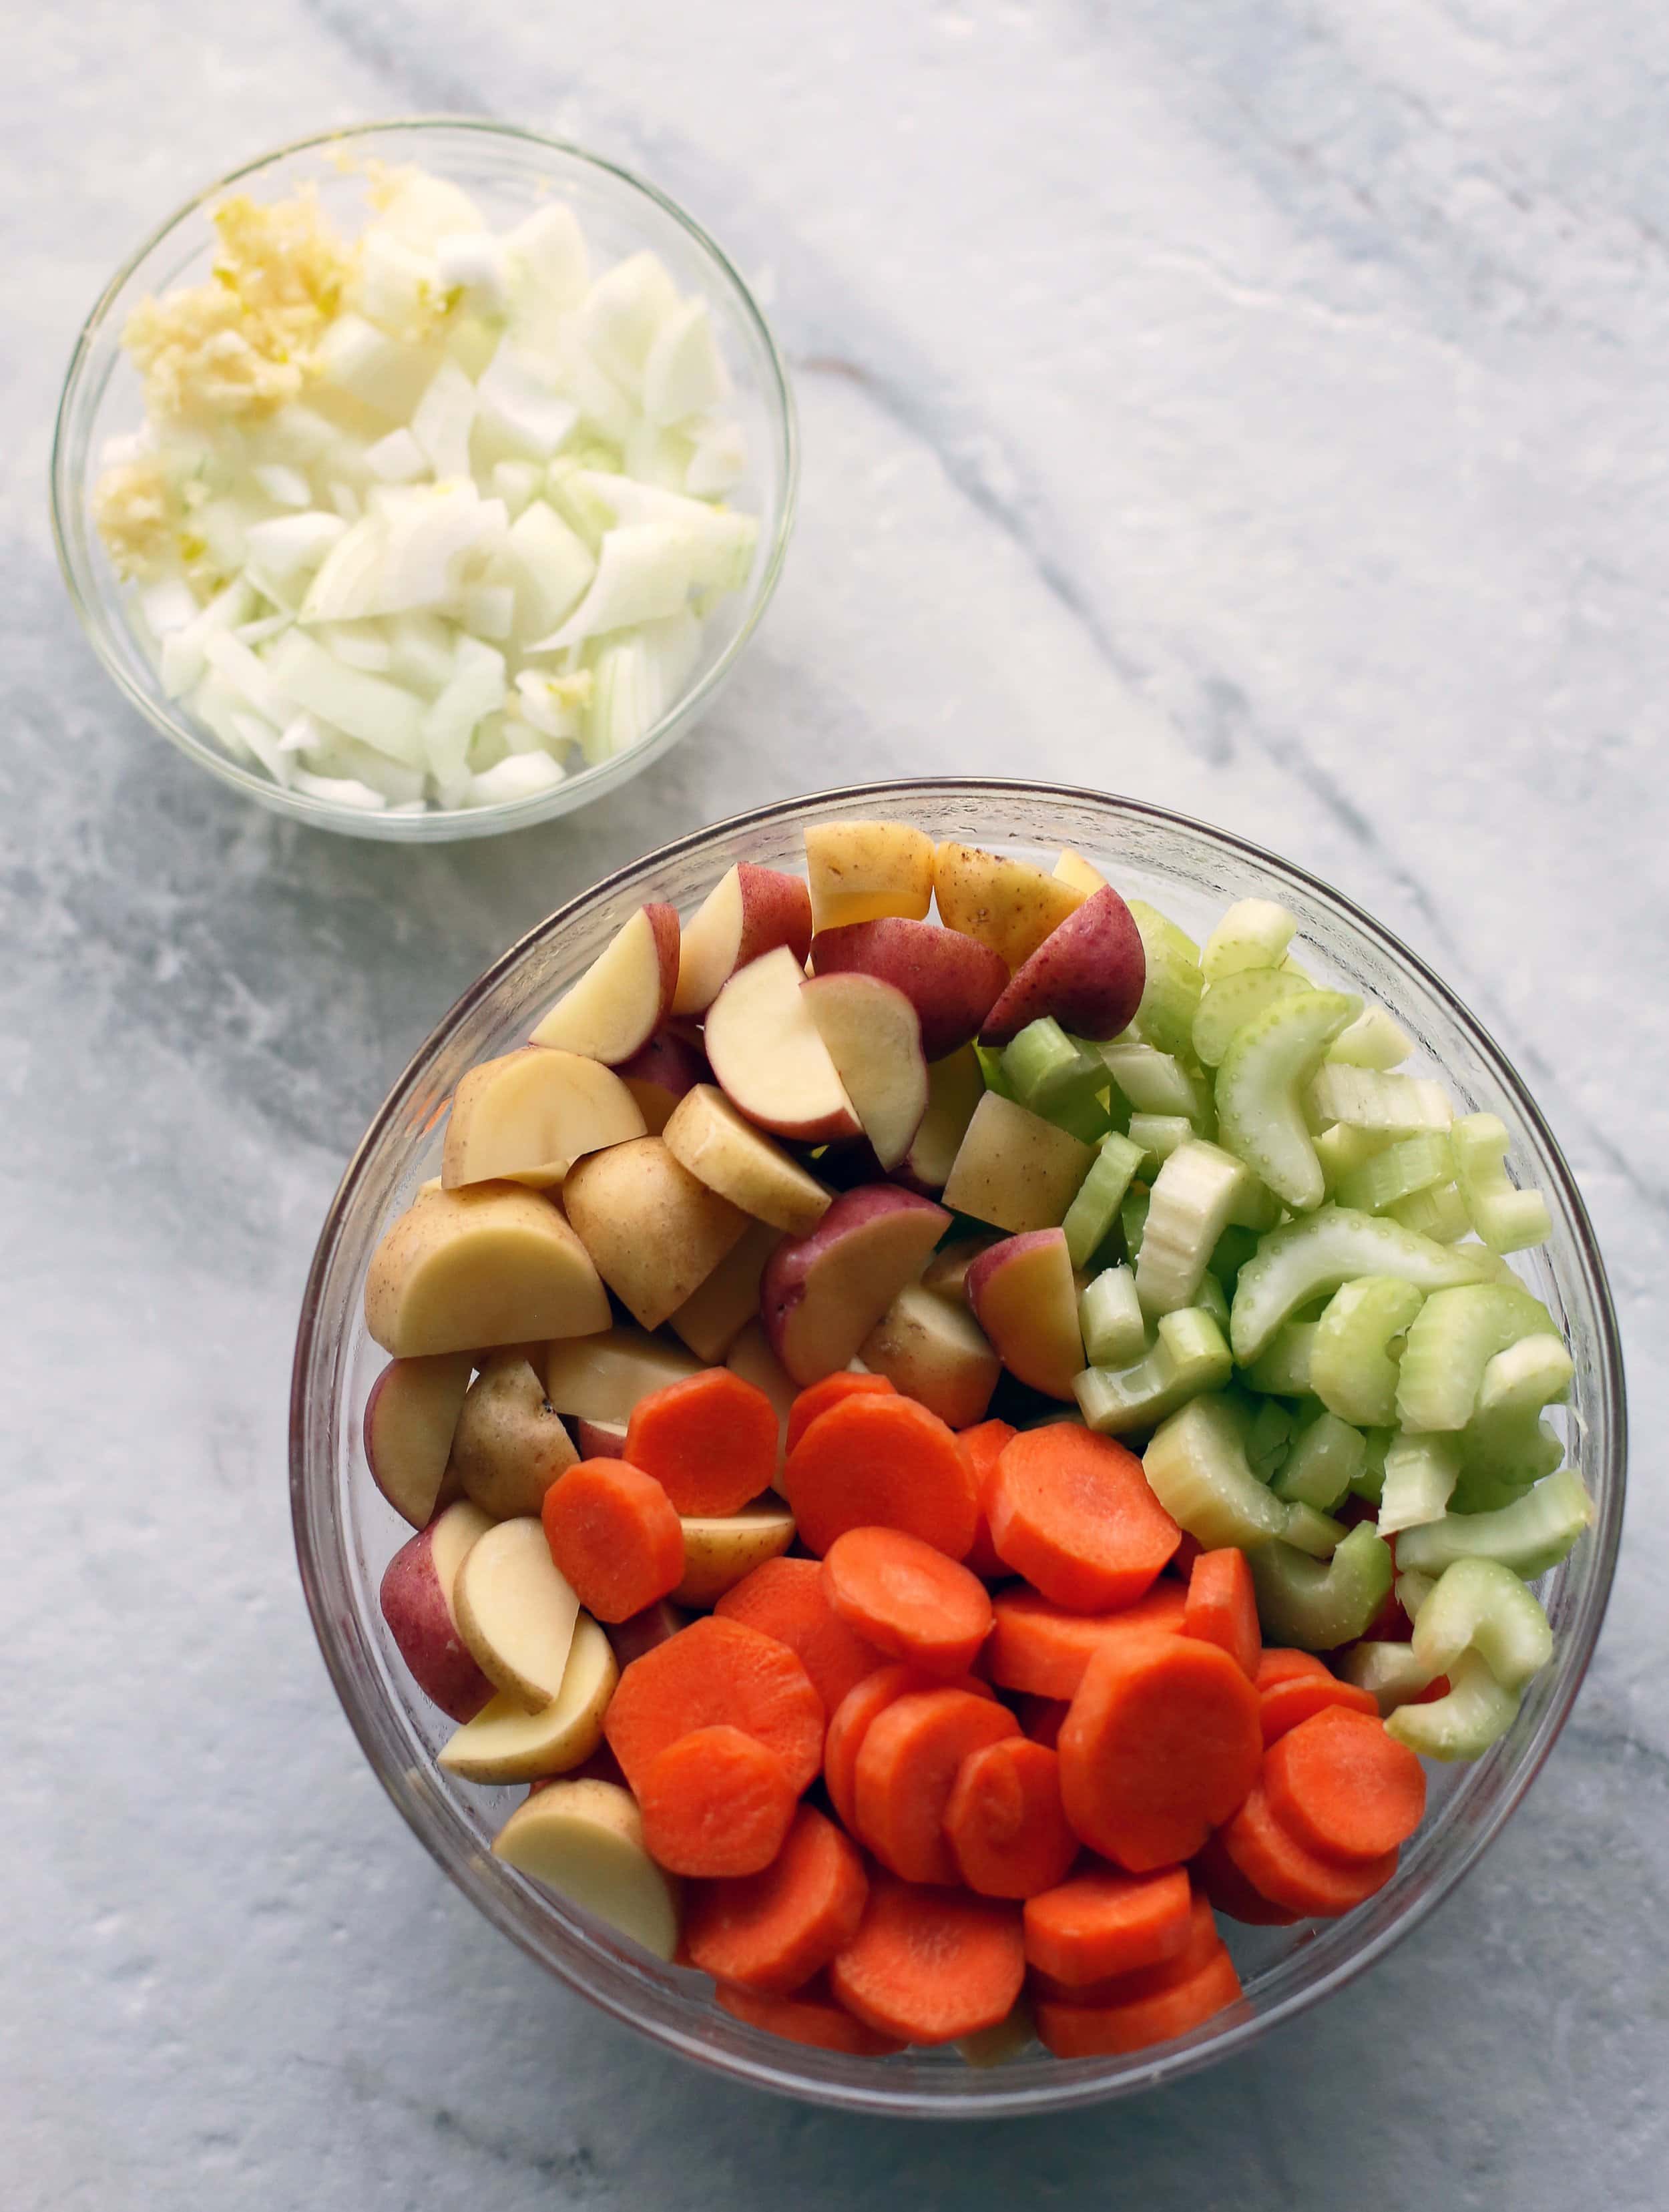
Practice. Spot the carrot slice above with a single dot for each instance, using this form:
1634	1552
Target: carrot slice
906	1769
785	1598
1041	1717
1222	1607
710	1440
1181	1560
772	1931
1003	1820
812	2015
881	1461
818	1398
716	1803
1101	1923
1226	1887
1200	1945
1281	1869
908	1599
929	1964
1344	1788
716	1672
982	1446
1077	2031
1160	1744
613	1532
1072	1512
1285	1703
850	1724
1036	1645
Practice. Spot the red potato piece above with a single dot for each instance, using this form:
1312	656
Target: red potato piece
906	1769
1072	1512
811	2016
1073	2031
765	1053
1005	903
772	1931
931	1964
874	1039
1041	1648
600	1378
935	1352
624	996
906	1600
722	1149
1101	1923
879	1460
717	1673
1025	1298
1005	1823
749	912
660	1073
1014	1169
1088	974
716	1312
415	1599
863	871
409	1419
951	980
821	1294
785	1598
715	1804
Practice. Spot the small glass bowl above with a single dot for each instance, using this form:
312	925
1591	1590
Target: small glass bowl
507	171
345	1533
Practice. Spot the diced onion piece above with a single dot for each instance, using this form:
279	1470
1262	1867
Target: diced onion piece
725	541
624	314
293	544
476	691
360	645
682	374
354	357
397	285
398	459
551	567
380	713
518	397
183	651
719	459
645	572
419	207
167	606
445	414
340	791
283	485
490	610
474	260
546	253
518	775
517	484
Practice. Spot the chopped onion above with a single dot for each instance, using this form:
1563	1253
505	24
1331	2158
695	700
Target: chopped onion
683	375
518	397
446	414
379	713
719	459
289	544
398	459
340	790
283	485
518	775
624	314
645	571
474	260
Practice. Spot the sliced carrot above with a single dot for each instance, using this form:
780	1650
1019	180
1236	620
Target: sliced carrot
818	1397
1077	2031
1003	1820
906	1769
982	1446
613	1532
1041	1717
716	1803
1180	1563
1222	1881
1277	1663
908	1599
929	1964
772	1931
812	2015
1160	1744
1344	1788
850	1721
712	1673
1072	1512
1200	1945
1281	1869
1282	1704
785	1598
710	1440
1037	1646
881	1461
1222	1607
1101	1921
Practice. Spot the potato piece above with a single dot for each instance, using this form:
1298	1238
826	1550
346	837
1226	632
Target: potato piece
653	1231
752	1358
1007	904
601	1378
527	1117
719	1552
720	1148
934	1352
503	1743
862	871
711	1318
624	996
747	913
1025	1298
410	1417
1014	1169
1073	870
509	1447
516	1611
584	1840
955	1086
419	1586
460	1270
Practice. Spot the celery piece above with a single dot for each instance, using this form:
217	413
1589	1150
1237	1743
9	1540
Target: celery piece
1367	1098
1420	1475
1159	1135
1464	1723
1450	1342
1311	1531
991	1066
1261	1087
1390	1673
1506	1445
1529	1536
1316	1607
1197	1467
1412	1589
1044	1068
1534	1372
1190	1354
1353	1370
1156	1082
1084	1117
1231	1252
1253	933
1210	1297
1438	1213
1480	1606
1311	1258
1165	1016
1341	1150
1268	1438
1090	1216
1369	1484
1373	1040
1283	1369
1325	1458
1110	1317
1506	1218
1407	1165
1133	1221
1228	1006
1195	1194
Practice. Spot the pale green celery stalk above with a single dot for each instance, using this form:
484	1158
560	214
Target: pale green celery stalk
1210	1297
1196	1467
1420	1475
1464	1724
1252	934
1412	1589
1529	1536
1090	1216
1367	1098
1195	1195
1268	1438
1478	1605
1159	1135
1156	1082
1370	1483
1373	1040
1450	1342
1044	1068
1407	1165
1190	1355
1132	1220
1314	1607
1311	1258
1506	1218
1165	1016
1341	1150
1085	1117
1327	1454
1438	1213
1260	1087
1283	1368
991	1066
1507	1445
1231	1252
1357	1349
1390	1673
1110	1316
1315	1534
1228	1006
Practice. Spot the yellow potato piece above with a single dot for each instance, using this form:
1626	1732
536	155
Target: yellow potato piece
584	1840
718	1552
1014	1169
601	1378
1073	869
528	1116
461	1270
706	1134
506	1743
1007	904
653	1231
711	1318
517	1612
866	871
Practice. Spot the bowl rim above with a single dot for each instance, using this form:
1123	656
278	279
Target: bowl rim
67	491
1581	1635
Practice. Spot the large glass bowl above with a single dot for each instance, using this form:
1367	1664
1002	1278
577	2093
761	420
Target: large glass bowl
345	1532
508	172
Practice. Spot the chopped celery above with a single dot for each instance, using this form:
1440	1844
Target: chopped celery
1210	1297
1196	1467
1420	1475
1231	1252
1156	1082
1464	1723
1407	1165
1195	1194
1190	1354
1261	1087
1450	1342
1268	1438
1341	1150
1529	1536
1412	1589
1311	1258
1110	1316
1507	1445
1229	1004
1165	1016
1373	1040
1325	1458
1159	1135
1370	1482
1044	1068
1311	1531
1353	1371
1480	1606
1438	1213
1368	1098
1534	1372
1283	1368
1317	1608
1133	1221
1506	1218
1389	1672
1085	1117
1090	1216
991	1066
1253	933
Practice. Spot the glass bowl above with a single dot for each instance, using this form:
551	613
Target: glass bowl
508	171
345	1532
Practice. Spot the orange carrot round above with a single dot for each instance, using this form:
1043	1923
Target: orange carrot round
1003	1820
982	1446
785	1598
712	1673
1100	1923
1041	1717
772	1931
907	1599
1200	1945
716	1803
812	2015
1222	1607
851	1720
818	1397
1078	2031
1293	1698
710	1440
1280	1868
1230	1891
1344	1788
881	1461
1072	1512
929	1964
613	1532
906	1769
1160	1744
1037	1646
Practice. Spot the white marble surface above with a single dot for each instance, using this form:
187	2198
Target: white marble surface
1252	404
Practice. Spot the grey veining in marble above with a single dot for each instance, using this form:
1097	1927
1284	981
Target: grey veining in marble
1256	405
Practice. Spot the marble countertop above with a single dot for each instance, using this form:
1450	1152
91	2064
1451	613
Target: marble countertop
1254	407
